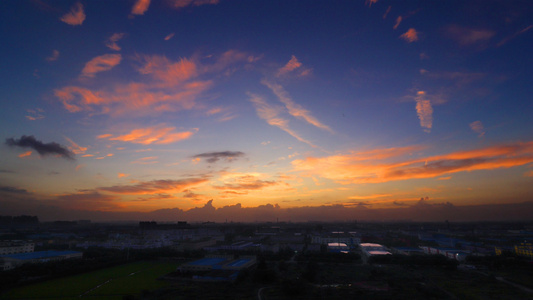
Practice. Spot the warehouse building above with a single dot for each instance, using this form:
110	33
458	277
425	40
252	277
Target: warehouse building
13	260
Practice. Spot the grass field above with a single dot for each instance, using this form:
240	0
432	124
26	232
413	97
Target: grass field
110	283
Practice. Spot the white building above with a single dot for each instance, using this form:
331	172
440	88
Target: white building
14	247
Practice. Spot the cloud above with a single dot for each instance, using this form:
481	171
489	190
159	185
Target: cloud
111	43
294	109
398	21
75	148
12	190
151	135
410	35
25	154
370	2
370	167
76	16
140	7
242	184
424	111
35	114
290	66
387	12
469	36
121	175
88	200
41	148
478	128
168	37
101	63
270	114
166	86
213	157
155	187
54	56
184	3
516	34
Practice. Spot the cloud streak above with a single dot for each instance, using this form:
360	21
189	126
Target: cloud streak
212	157
410	35
43	149
424	110
140	7
111	43
155	187
364	168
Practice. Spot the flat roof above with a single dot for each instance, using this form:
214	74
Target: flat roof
208	261
239	262
39	254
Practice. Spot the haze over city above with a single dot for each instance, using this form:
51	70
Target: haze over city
214	110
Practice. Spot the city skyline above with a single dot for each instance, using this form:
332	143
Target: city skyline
211	110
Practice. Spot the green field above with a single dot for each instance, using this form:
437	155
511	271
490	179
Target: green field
110	283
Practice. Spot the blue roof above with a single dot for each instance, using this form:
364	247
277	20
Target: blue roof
239	262
39	254
207	261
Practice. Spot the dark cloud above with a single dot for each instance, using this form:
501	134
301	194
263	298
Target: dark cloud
213	157
155	186
43	149
13	190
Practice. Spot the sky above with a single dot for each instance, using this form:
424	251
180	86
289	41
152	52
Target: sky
230	110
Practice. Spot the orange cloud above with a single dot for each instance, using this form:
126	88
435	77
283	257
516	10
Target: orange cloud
294	109
76	16
398	21
101	63
28	153
410	35
290	66
111	43
155	135
168	37
75	148
357	168
121	175
140	7
370	2
184	3
424	111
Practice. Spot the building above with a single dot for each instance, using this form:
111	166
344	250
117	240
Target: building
217	268
14	247
13	260
524	249
338	248
348	238
371	249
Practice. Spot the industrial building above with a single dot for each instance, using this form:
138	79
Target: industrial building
371	249
13	260
217	268
14	247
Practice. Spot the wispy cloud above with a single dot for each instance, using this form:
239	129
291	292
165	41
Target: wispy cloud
410	35
43	149
243	184
270	114
387	12
101	63
140	7
424	110
35	114
469	36
111	43
54	56
212	157
357	168
75	148
151	135
25	154
294	109
184	3
370	2
293	64
478	128
516	34
398	21
76	16
168	37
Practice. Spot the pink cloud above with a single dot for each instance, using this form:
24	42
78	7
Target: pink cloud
424	110
54	56
168	37
469	36
140	7
101	63
290	66
398	21
478	128
111	43
76	16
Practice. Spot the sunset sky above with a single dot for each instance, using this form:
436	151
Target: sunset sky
261	110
